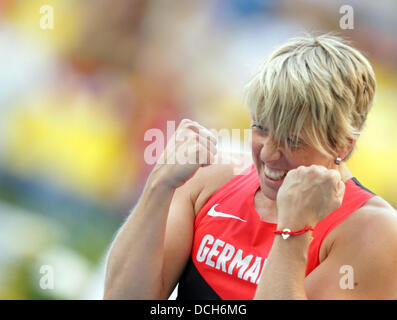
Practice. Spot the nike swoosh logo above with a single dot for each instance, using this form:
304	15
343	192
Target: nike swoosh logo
214	213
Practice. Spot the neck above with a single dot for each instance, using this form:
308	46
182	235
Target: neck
344	172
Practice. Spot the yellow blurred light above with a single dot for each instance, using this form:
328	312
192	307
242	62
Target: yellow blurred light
75	142
26	16
374	162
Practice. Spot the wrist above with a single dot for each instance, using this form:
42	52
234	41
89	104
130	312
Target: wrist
156	194
286	233
295	222
294	246
294	225
155	184
158	179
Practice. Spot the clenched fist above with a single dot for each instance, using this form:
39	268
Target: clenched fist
308	195
192	146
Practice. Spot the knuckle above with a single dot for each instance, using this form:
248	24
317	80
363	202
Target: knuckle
187	123
183	123
191	127
335	173
317	168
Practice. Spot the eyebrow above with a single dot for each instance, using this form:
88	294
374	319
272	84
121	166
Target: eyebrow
265	128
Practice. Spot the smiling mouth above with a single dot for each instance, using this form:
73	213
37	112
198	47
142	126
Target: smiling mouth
275	175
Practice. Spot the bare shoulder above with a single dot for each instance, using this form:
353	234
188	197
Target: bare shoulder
375	217
367	240
376	212
376	203
374	224
210	178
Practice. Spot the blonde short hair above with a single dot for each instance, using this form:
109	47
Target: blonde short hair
316	85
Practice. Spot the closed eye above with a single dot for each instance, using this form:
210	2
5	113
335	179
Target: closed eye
257	126
293	143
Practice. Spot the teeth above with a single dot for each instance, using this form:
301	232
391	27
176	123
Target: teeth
275	175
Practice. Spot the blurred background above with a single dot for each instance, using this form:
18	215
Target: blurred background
77	98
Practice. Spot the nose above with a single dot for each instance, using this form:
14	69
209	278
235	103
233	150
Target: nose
270	151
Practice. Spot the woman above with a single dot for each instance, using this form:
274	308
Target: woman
294	224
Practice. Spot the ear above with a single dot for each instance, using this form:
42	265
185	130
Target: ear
345	150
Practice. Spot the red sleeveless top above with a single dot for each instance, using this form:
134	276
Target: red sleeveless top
231	243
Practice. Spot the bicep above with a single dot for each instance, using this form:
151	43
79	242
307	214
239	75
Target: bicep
180	223
357	268
178	239
338	277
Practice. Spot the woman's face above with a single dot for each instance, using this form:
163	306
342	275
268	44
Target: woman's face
273	163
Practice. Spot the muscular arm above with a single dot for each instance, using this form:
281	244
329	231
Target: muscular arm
138	261
284	274
152	248
153	245
366	242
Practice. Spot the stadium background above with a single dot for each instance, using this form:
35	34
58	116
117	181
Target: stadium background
76	100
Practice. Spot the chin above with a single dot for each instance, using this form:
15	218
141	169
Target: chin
269	193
